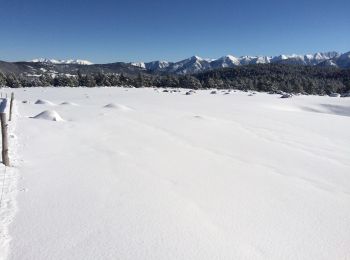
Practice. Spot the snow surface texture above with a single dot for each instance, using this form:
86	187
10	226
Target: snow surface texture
181	176
8	187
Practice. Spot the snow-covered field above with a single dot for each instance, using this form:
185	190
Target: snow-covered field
140	174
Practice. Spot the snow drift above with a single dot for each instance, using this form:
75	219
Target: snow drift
51	115
67	103
43	102
117	106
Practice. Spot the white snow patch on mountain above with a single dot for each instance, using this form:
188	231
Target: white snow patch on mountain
54	61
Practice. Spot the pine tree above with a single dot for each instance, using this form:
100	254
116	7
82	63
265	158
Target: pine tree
2	79
46	80
87	81
139	81
12	81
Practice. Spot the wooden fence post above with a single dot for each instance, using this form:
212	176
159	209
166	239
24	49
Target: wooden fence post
4	136
11	102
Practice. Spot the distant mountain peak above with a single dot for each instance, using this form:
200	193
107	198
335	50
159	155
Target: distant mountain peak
195	57
231	57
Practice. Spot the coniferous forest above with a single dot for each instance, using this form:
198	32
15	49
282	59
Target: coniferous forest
259	77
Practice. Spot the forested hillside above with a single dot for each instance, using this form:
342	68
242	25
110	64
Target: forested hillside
259	77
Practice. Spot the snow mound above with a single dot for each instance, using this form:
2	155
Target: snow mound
117	106
328	109
51	115
43	102
67	103
286	95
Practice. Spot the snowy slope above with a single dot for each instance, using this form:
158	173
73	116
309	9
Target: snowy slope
225	61
343	60
168	176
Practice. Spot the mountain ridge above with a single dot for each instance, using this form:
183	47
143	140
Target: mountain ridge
69	61
197	64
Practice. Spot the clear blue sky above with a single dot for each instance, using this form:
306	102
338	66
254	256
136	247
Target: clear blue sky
133	30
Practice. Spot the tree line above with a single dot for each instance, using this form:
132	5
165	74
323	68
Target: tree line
260	77
279	77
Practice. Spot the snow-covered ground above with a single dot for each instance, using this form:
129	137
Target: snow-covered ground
142	174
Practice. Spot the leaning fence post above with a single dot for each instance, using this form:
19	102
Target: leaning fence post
11	102
4	137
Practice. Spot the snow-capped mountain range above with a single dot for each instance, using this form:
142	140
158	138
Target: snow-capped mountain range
53	61
190	65
197	64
